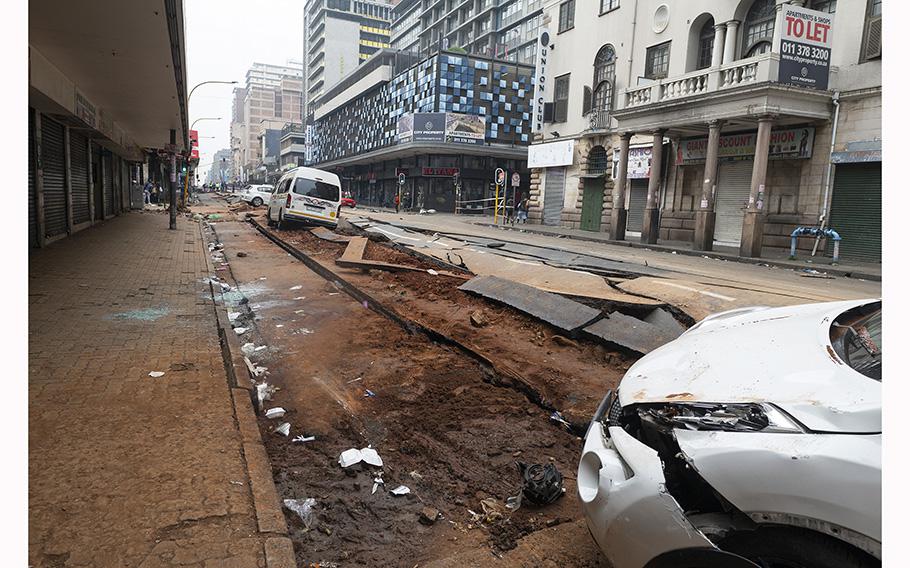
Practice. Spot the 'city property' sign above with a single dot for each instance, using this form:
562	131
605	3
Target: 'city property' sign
805	47
789	143
540	80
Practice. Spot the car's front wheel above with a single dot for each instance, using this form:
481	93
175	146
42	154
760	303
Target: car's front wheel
785	547
257	201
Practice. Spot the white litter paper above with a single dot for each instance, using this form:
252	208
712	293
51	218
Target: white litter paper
350	457
156	374
302	439
276	412
248	348
297	287
432	272
371	456
233	315
401	490
240	330
284	429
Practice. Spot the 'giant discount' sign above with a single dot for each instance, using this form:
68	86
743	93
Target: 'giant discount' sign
805	48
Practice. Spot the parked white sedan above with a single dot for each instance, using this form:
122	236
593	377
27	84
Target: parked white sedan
754	439
256	195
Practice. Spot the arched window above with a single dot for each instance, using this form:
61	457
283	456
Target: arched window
597	160
758	29
705	45
604	72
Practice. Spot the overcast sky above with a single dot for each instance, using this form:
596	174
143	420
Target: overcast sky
223	38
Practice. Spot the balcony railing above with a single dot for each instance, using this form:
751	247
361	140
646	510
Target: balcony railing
743	72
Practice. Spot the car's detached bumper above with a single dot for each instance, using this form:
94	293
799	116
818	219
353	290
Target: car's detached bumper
623	495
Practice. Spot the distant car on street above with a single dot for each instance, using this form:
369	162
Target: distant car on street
256	195
348	202
305	195
752	440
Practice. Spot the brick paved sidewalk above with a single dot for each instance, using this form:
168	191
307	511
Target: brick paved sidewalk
126	469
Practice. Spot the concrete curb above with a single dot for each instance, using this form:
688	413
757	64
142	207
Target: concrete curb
279	550
835	271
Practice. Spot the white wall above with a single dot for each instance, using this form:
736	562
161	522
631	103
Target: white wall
342	50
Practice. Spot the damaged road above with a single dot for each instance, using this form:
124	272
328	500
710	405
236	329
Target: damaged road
350	378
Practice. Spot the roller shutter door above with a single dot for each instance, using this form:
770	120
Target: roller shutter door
734	180
856	210
32	229
79	177
638	200
107	181
54	169
118	188
553	195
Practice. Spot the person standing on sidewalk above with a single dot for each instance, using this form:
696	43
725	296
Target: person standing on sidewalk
147	192
523	211
397	202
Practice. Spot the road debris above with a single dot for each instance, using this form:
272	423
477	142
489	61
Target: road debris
377	481
558	417
478	319
368	393
156	374
302	439
297	287
240	330
432	272
428	515
304	509
354	456
264	392
284	428
255	370
541	484
276	412
400	490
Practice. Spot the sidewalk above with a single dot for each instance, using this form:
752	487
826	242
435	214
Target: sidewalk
126	469
771	256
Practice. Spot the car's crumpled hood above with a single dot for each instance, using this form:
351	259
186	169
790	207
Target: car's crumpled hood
777	355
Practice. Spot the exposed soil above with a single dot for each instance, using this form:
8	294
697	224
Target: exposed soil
570	375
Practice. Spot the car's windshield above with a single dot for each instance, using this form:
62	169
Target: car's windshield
857	338
318	189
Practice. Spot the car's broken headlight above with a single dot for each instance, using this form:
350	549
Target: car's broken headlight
745	417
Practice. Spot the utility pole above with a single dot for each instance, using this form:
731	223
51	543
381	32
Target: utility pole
173	180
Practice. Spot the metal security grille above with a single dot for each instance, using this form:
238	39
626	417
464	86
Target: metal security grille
53	160
734	180
107	180
553	195
638	199
118	186
856	210
79	177
32	230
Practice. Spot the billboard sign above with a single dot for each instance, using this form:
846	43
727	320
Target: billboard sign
194	144
465	128
788	143
805	47
541	89
552	154
441	127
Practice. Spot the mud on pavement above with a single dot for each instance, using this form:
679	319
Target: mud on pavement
444	425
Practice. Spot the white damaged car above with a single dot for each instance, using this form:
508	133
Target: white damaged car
754	439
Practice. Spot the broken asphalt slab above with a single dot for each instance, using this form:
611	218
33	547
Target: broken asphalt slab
630	333
562	313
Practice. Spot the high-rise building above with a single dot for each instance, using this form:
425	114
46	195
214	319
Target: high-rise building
493	28
271	93
220	172
337	36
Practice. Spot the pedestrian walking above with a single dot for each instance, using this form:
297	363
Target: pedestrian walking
147	193
397	202
523	211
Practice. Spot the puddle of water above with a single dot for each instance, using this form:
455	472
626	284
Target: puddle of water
146	314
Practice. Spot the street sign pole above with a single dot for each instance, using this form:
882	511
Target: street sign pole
401	180
172	190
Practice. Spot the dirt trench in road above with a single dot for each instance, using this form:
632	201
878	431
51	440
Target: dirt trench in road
440	426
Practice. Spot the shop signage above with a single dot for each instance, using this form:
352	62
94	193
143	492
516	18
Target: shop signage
790	143
805	47
441	127
552	154
440	172
194	144
639	166
541	89
85	110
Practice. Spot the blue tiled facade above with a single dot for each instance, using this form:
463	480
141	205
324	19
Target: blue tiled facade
500	92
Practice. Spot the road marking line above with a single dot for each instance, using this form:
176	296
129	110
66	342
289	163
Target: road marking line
712	294
394	235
